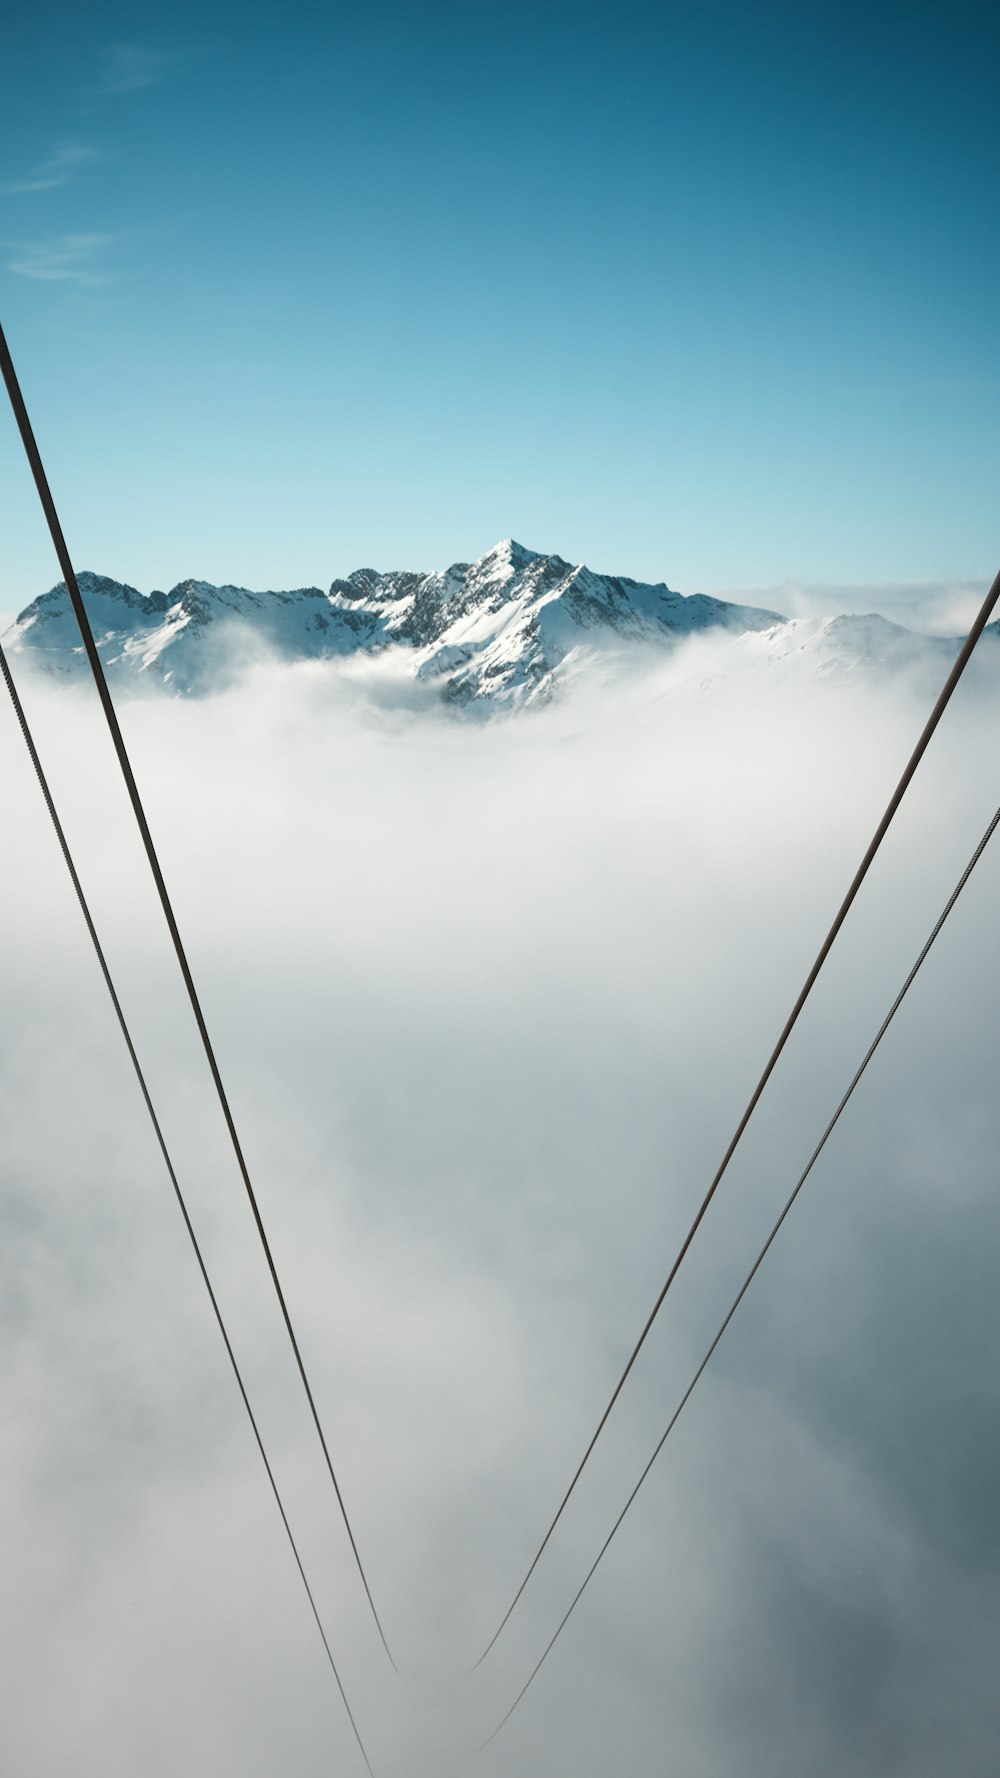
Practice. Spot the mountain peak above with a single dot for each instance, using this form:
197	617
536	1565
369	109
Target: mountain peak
498	633
495	633
512	551
508	553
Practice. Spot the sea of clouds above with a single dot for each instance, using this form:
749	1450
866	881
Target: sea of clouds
489	999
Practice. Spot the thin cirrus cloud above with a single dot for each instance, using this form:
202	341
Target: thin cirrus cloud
58	168
67	259
127	67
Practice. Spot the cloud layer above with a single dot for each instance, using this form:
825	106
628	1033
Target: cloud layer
489	1003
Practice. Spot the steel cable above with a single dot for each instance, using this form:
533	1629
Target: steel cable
168	1163
952	680
100	680
814	1157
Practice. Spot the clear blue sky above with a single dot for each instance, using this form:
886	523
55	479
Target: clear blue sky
702	292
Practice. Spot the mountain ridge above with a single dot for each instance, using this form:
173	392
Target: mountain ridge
500	632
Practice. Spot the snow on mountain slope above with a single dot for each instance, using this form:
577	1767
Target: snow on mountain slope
848	648
192	638
499	632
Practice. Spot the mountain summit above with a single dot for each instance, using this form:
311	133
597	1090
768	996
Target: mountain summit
497	633
503	629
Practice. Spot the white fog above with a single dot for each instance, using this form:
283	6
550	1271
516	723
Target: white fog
488	999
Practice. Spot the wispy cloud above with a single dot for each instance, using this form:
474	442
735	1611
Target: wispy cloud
126	67
57	169
67	259
936	607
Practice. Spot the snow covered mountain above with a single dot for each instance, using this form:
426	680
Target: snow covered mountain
503	629
499	632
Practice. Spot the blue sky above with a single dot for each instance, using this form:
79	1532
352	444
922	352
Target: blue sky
703	293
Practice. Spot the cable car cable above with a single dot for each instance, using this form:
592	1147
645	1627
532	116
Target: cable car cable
100	680
178	1194
951	682
814	1157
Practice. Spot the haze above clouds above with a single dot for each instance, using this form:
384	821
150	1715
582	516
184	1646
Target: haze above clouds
933	608
488	1001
